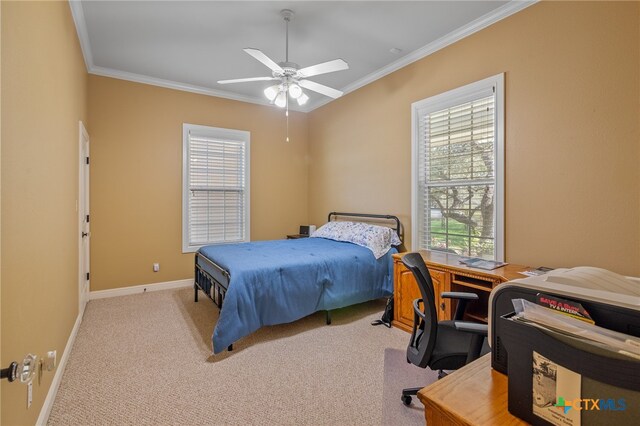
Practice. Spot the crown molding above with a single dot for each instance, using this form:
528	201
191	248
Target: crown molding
472	27
170	84
77	13
81	28
498	14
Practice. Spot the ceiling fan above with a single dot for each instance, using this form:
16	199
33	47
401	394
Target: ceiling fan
291	78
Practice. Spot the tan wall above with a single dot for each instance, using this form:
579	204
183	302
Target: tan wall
1	360
572	133
44	88
136	176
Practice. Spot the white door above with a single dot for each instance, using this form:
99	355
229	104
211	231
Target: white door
84	218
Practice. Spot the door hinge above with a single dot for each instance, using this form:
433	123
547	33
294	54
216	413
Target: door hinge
87	218
87	276
87	160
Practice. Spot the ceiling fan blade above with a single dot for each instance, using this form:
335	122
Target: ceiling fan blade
244	80
323	68
320	88
264	59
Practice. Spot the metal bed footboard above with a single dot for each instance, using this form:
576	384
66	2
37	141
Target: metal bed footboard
215	287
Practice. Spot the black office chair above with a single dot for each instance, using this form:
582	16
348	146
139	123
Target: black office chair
444	345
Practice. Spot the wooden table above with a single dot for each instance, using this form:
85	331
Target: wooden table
473	395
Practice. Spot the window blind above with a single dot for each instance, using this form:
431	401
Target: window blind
456	168
216	190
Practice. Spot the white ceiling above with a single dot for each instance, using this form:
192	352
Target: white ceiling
189	45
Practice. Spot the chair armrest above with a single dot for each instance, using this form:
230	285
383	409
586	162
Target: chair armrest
416	308
462	299
459	295
471	327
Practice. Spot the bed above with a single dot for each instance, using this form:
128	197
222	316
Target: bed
264	283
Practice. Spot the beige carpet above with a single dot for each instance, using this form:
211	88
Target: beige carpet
398	374
145	359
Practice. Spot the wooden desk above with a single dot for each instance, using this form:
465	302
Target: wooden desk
447	274
473	395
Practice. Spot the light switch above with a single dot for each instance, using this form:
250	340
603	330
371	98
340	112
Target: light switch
50	362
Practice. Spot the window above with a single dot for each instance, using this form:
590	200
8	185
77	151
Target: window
457	171
215	191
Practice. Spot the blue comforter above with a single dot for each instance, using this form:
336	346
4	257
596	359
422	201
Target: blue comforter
275	282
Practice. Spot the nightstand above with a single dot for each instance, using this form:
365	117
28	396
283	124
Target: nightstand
296	236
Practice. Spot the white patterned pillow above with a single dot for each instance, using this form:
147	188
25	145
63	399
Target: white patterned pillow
378	239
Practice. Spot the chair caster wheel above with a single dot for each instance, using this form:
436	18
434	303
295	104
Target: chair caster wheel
406	400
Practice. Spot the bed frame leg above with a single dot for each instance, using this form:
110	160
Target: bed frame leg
230	348
328	317
195	292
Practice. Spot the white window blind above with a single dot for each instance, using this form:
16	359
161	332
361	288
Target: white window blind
458	171
216	187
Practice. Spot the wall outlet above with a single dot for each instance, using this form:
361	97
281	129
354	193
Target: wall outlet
50	361
29	394
156	267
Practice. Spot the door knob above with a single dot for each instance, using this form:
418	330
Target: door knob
10	373
23	371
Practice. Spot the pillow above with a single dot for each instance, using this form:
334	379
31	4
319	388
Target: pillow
378	239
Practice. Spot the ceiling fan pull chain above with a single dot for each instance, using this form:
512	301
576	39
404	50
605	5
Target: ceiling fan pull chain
287	114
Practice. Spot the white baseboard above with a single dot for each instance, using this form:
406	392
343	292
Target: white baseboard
123	291
43	418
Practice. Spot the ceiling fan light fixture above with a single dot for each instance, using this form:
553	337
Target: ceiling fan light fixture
281	99
302	99
271	92
292	80
295	91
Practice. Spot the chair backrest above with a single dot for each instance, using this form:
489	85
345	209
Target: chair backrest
420	352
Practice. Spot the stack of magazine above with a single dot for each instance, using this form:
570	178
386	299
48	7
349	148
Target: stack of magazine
476	262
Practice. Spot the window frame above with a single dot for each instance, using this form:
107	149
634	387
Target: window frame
446	100
217	133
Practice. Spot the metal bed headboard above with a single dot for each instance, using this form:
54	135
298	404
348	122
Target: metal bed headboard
372	216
